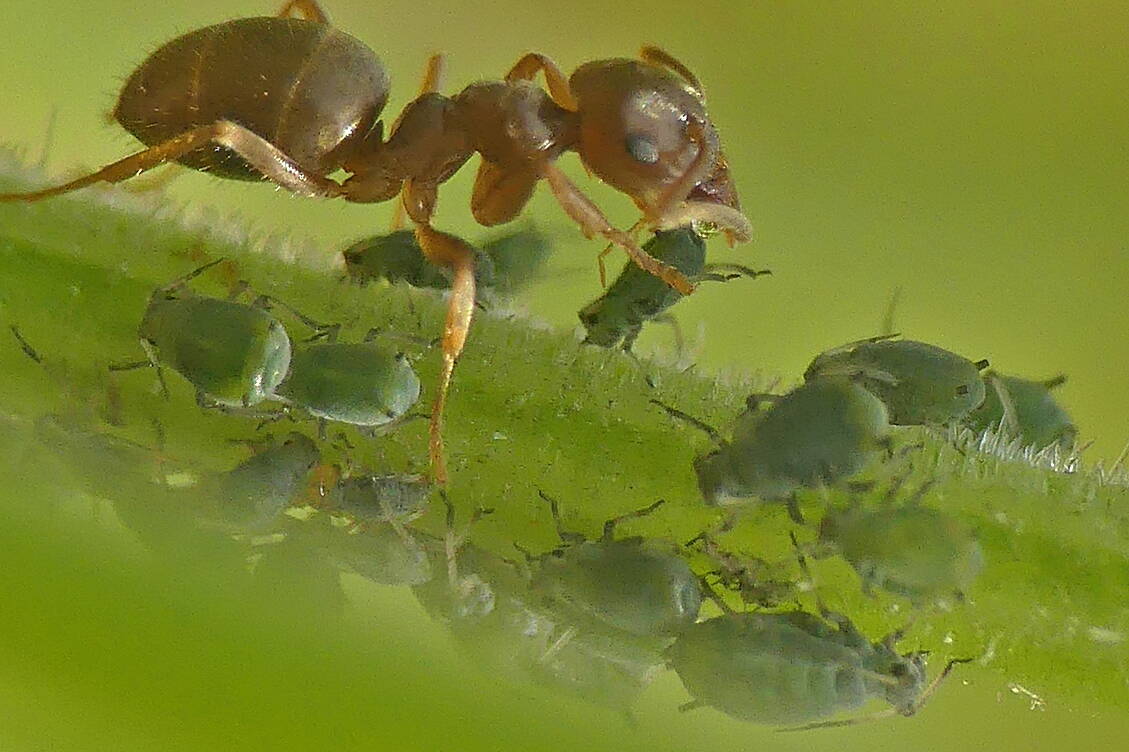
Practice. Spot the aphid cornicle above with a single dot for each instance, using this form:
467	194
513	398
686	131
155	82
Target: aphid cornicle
291	100
821	432
233	354
631	584
919	383
1026	409
790	668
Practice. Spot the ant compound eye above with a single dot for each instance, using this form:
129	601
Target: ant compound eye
642	150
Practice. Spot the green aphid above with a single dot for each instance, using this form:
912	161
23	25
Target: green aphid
911	550
639	586
379	498
819	434
1026	409
231	353
515	632
919	383
636	297
517	256
397	257
251	497
362	384
785	669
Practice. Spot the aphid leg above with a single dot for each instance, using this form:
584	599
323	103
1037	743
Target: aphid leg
526	68
695	422
609	525
558	644
1009	421
929	690
23	343
568	536
633	334
663	59
593	222
262	155
455	254
793	505
154	363
664	318
305	9
327	332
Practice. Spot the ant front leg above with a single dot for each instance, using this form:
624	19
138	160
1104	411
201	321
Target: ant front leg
593	222
560	91
308	10
262	155
457	255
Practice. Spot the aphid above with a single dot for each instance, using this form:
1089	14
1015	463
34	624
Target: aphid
820	433
636	297
792	668
232	354
291	100
362	384
397	257
1027	410
911	550
250	497
635	585
501	620
379	498
919	383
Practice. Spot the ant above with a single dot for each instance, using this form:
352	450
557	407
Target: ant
291	99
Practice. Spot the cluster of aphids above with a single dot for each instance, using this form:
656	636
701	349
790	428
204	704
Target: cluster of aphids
598	617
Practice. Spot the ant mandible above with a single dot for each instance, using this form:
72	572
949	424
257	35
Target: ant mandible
291	99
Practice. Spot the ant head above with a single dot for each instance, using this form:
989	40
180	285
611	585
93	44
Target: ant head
644	130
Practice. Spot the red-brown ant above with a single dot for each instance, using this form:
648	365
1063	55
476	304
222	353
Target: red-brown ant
292	99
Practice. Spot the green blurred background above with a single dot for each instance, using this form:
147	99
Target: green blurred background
974	154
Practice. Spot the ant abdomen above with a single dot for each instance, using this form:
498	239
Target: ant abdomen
317	92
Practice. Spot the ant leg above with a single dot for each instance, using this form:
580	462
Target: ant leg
308	10
457	255
663	59
261	154
526	68
592	222
433	75
500	194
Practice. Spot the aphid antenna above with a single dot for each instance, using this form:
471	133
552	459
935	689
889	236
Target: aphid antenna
724	272
844	722
453	541
695	422
610	525
328	332
180	282
23	343
567	536
1054	382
